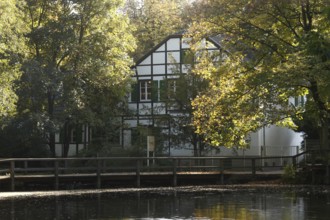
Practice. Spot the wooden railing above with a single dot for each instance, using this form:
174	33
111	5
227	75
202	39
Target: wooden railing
16	169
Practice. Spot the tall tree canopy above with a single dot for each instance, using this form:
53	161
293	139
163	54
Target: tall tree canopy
12	46
276	50
187	86
78	66
154	20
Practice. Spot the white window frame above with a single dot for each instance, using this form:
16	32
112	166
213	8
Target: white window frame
145	90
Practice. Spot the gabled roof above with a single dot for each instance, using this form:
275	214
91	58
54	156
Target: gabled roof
156	47
215	40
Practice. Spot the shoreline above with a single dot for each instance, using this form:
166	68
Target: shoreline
258	188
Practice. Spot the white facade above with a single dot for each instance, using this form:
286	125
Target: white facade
166	62
79	137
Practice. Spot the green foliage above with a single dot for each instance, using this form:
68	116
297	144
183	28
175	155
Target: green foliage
22	137
176	94
139	146
153	21
78	66
290	174
61	62
99	147
275	50
12	48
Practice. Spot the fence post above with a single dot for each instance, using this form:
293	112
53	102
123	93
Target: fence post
222	169
312	169
138	178
12	175
56	169
65	166
25	166
174	172
327	173
98	174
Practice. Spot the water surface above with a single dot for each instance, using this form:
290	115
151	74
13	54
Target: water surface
169	203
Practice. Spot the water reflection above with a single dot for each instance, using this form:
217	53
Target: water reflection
170	205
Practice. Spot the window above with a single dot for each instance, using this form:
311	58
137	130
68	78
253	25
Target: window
299	101
145	90
171	89
76	135
73	136
187	57
168	89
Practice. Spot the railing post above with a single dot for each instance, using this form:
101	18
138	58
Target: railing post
253	167
98	174
174	172
25	166
12	175
104	166
65	166
56	171
222	169
327	173
313	172
138	178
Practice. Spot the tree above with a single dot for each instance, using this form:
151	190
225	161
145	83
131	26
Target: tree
20	138
154	20
177	94
78	67
276	50
12	48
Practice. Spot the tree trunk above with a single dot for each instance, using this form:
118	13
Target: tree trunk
324	135
50	99
52	144
66	139
195	144
323	116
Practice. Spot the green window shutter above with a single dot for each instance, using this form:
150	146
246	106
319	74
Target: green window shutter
302	100
296	101
71	133
65	134
163	90
154	91
79	134
135	92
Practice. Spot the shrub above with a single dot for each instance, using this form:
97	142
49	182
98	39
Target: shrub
290	174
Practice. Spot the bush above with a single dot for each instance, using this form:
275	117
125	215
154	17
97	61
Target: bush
21	138
290	174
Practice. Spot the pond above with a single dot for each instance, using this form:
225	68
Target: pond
170	203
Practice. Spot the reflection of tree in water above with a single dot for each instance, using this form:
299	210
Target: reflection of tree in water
168	205
242	205
232	211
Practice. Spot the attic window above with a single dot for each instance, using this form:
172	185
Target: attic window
187	56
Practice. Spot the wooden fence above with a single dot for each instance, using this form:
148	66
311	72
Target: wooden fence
55	170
